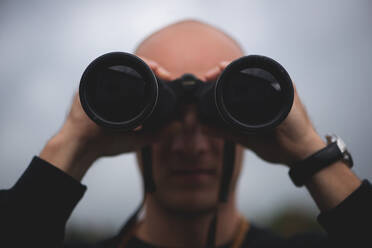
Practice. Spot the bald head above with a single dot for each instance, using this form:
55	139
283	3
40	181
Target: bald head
189	47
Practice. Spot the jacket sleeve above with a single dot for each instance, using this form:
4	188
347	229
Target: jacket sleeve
349	223
34	212
346	225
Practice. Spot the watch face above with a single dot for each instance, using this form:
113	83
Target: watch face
342	146
330	138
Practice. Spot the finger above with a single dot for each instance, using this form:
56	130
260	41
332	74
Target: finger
128	141
213	73
157	69
162	73
224	64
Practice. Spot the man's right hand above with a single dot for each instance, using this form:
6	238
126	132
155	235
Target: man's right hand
81	141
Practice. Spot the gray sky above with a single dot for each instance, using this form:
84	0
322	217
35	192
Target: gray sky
326	46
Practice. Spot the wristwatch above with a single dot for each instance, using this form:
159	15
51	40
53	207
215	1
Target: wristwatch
335	150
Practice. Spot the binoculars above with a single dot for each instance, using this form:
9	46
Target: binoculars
119	90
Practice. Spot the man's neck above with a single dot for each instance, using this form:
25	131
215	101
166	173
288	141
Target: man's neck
162	228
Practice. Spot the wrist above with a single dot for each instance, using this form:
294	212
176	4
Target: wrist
304	170
309	145
69	154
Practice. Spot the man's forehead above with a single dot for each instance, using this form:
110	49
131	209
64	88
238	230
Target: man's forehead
189	47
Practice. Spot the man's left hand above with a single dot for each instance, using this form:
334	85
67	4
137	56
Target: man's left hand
293	140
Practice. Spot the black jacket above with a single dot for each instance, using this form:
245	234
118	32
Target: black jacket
34	212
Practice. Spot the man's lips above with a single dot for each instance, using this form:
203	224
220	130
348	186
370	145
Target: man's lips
194	171
193	175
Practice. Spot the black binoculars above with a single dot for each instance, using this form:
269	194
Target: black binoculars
119	91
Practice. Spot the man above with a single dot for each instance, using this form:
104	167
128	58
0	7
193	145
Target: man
187	166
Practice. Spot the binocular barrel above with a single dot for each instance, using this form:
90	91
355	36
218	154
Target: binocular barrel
253	93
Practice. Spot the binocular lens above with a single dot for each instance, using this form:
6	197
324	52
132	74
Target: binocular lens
118	93
252	95
118	90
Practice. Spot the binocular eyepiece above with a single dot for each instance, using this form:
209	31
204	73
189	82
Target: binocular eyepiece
119	90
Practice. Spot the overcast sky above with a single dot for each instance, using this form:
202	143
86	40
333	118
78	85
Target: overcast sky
326	46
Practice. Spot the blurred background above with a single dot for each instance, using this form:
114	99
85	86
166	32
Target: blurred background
326	46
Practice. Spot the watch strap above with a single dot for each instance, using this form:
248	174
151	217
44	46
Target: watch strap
302	171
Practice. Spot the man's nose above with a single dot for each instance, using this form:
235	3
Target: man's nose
191	139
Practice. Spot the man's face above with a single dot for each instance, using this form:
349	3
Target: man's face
187	163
